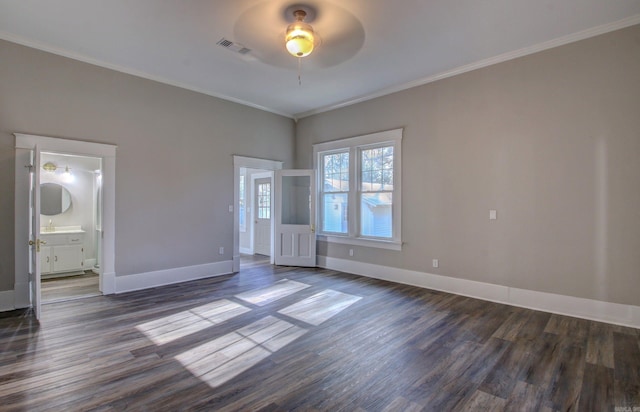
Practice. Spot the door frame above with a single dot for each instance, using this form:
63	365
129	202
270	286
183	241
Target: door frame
252	236
24	143
249	163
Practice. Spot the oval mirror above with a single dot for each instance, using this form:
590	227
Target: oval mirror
54	199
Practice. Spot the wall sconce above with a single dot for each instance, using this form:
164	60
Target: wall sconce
49	167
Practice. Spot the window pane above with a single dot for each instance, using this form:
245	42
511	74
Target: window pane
296	198
242	213
336	172
376	214
264	201
334	209
376	169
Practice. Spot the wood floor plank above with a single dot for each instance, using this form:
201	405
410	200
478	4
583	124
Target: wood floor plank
597	392
369	345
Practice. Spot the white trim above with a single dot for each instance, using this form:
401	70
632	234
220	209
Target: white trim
354	146
164	277
345	240
392	135
6	300
108	283
525	51
249	163
21	295
77	147
107	152
246	251
615	313
256	163
138	73
560	41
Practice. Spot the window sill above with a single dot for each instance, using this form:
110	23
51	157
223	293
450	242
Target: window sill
380	244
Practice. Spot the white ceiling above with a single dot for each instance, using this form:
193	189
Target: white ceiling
369	47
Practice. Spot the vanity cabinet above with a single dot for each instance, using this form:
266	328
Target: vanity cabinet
62	253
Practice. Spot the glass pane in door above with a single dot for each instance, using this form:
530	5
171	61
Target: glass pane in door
296	200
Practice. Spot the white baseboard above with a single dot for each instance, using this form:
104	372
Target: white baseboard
169	276
108	283
6	300
236	264
615	313
246	250
22	295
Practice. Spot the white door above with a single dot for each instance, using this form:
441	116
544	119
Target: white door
35	242
262	213
295	211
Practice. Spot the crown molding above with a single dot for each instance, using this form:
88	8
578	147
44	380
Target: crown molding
560	41
138	73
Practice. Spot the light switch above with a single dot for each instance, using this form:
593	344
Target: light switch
493	214
230	208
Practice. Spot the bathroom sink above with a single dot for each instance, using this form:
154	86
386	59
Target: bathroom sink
61	230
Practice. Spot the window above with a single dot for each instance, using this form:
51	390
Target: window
335	192
242	200
264	201
359	190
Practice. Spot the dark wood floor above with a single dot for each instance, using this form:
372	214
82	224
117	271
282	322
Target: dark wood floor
70	287
276	339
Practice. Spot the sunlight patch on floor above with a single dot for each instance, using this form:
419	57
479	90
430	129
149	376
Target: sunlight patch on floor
179	325
320	307
217	361
279	290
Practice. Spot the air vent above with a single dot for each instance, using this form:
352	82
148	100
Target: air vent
235	47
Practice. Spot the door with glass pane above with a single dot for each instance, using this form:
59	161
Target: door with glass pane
295	237
262	222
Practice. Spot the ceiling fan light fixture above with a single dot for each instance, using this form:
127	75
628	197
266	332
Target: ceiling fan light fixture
300	37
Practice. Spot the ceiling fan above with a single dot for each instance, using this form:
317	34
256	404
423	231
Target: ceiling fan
336	35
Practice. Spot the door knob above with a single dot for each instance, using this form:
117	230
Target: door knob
37	242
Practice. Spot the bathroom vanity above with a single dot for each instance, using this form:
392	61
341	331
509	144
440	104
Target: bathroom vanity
63	252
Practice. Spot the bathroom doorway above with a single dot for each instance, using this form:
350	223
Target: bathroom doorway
70	220
61	252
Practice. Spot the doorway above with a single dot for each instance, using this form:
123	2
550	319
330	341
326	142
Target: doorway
246	210
70	221
29	229
255	208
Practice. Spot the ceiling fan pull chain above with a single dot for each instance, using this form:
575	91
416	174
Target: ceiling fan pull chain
299	70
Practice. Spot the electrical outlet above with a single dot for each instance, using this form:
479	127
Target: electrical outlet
435	263
350	252
230	208
221	250
493	214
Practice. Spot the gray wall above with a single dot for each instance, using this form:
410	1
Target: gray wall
174	156
551	140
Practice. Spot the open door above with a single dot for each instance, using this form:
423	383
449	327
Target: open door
295	237
35	242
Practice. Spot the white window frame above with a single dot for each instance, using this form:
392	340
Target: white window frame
321	192
354	145
242	197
